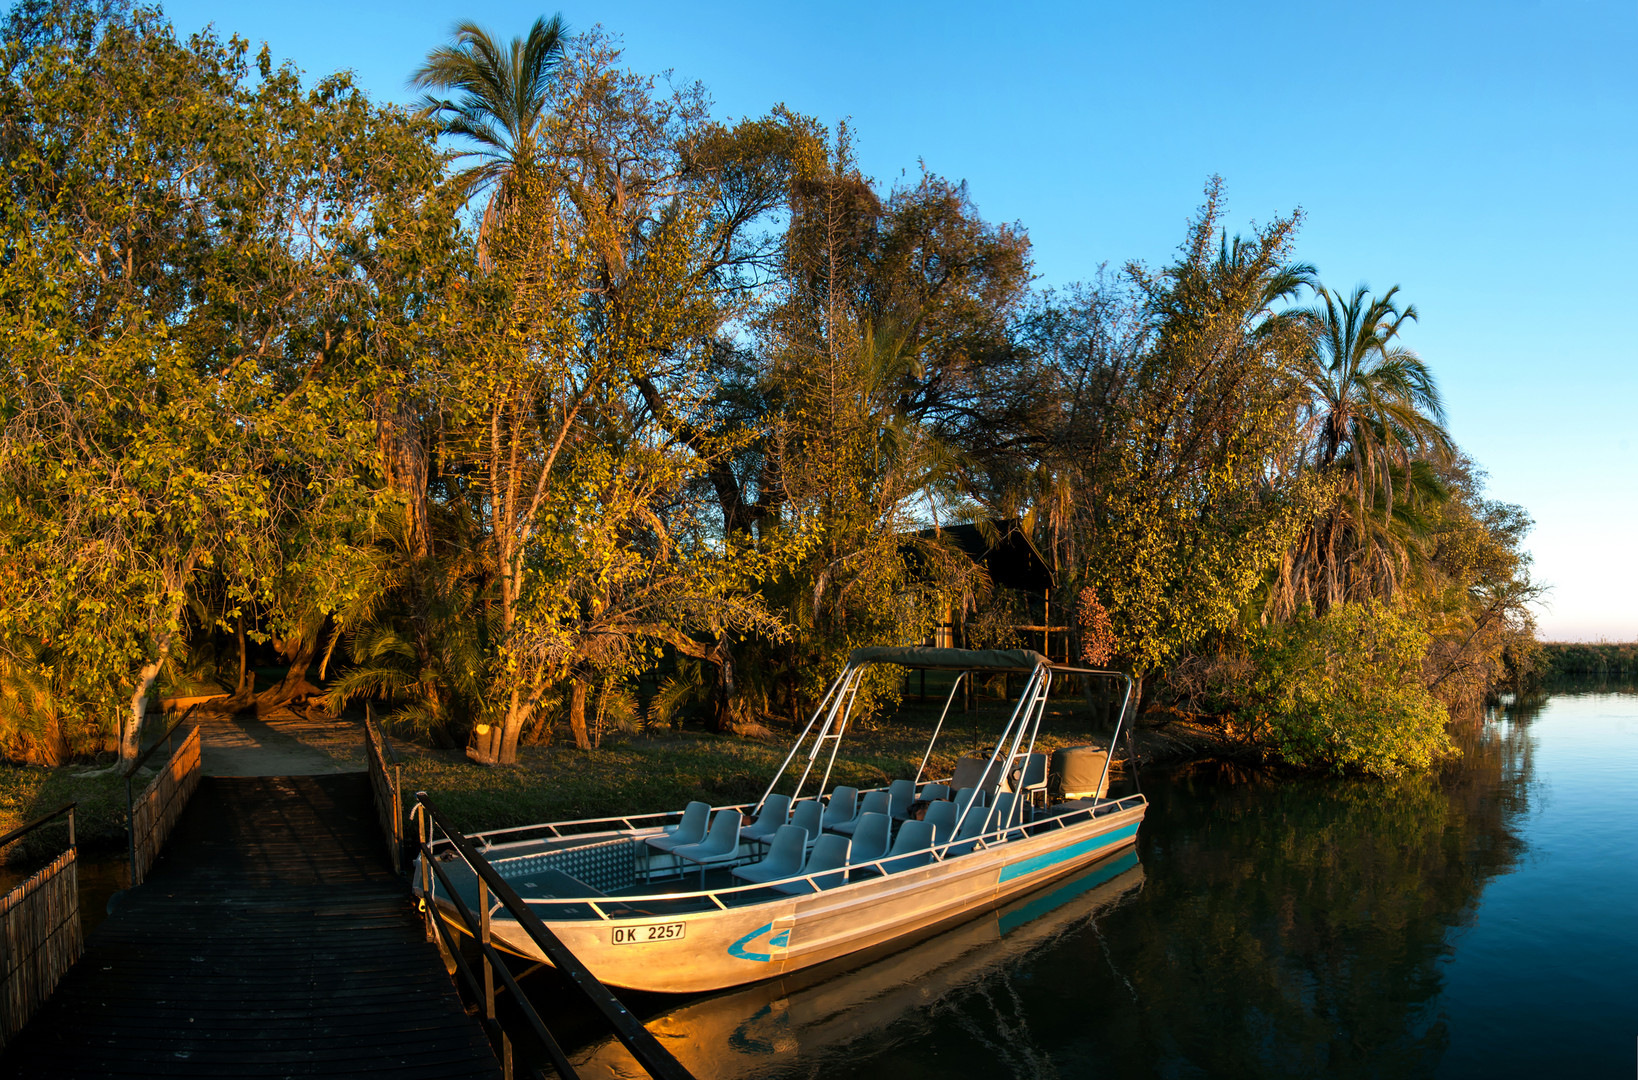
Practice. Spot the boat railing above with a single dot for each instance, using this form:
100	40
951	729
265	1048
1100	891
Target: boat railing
496	894
609	908
562	830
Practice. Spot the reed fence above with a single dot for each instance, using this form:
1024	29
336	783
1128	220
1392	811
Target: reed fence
386	782
155	812
40	932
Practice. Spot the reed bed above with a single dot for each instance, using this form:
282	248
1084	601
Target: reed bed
386	785
155	812
41	937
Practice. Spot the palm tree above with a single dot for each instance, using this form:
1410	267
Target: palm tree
1375	422
498	104
1371	398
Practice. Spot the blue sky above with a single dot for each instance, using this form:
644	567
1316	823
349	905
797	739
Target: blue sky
1484	157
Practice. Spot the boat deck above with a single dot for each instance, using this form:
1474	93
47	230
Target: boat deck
668	893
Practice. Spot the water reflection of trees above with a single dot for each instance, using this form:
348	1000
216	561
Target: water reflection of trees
1290	928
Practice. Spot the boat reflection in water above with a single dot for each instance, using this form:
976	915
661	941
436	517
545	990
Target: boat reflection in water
795	1021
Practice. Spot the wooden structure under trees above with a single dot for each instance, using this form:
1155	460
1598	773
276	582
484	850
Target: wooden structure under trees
1011	561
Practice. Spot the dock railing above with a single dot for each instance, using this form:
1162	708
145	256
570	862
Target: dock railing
151	816
494	892
387	785
40	932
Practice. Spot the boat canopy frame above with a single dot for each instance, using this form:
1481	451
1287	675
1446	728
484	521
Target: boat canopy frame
836	708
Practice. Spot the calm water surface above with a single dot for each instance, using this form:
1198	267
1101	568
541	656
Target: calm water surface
1476	924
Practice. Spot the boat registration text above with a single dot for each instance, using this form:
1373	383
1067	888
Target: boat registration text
637	935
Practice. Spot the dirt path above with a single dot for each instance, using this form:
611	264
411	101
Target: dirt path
279	744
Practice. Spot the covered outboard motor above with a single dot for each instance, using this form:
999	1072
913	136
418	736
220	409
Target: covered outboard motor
1076	771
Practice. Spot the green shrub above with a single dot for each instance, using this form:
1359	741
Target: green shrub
1345	691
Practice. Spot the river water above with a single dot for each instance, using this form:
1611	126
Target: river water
1479	923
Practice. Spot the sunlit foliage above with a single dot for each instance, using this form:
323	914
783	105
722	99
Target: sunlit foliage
561	401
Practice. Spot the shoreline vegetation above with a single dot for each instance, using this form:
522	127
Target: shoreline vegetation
654	771
647	772
557	412
1562	658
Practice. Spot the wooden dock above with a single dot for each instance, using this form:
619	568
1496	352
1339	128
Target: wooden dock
271	939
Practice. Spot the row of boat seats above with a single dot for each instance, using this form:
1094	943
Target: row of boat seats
846	808
829	858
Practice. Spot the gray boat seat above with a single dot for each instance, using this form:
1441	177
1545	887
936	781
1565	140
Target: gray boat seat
784	858
935	792
827	865
911	849
972	772
970	828
900	793
808	816
874	802
721	844
870	839
690	830
1006	813
942	817
844	806
1030	778
965	796
775	810
967	772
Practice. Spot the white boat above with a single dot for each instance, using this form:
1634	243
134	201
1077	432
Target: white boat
801	1023
695	901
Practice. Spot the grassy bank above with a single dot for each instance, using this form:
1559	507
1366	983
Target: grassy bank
641	774
665	771
1589	658
28	792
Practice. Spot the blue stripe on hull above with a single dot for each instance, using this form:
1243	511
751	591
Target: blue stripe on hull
1074	851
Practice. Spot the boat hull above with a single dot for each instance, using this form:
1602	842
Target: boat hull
720	948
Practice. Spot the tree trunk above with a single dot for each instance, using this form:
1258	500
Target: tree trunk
577	714
240	687
497	744
131	744
485	744
300	653
404	463
722	688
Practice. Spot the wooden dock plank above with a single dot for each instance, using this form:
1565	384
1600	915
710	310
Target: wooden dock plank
270	939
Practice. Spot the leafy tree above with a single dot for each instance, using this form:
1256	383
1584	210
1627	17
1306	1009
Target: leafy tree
1182	515
1477	601
202	264
599	292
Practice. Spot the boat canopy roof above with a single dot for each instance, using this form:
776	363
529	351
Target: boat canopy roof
931	658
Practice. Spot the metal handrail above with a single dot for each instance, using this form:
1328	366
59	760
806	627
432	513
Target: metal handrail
656	1059
629	821
492	963
941	852
19	833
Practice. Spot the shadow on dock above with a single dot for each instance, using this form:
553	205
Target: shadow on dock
270	939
